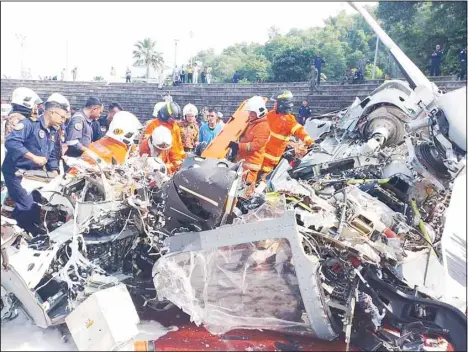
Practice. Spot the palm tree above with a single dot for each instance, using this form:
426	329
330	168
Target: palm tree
146	54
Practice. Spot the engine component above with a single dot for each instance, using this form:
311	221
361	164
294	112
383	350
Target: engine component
431	159
385	124
201	195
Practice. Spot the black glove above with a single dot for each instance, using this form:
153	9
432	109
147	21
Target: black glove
234	147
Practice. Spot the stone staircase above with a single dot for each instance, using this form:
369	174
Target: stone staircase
140	98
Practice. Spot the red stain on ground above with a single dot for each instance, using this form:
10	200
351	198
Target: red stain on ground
190	337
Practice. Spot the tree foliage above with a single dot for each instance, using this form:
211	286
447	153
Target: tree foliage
145	54
418	26
345	39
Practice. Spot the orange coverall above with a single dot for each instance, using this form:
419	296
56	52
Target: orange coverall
177	154
282	126
164	155
106	148
252	147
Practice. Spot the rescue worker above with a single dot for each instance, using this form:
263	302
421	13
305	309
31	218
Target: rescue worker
96	125
168	115
190	129
31	146
113	109
283	125
116	145
158	145
24	104
251	145
79	132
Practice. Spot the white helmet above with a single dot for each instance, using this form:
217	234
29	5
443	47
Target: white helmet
25	97
190	109
161	138
124	127
158	107
256	104
61	100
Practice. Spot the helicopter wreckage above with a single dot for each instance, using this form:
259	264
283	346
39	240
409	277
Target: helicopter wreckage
363	238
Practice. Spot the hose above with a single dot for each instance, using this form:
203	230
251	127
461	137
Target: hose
422	226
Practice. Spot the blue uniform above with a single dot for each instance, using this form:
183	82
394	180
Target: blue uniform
27	136
79	133
97	133
207	134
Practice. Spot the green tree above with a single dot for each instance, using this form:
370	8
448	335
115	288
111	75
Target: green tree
145	54
416	27
255	68
292	65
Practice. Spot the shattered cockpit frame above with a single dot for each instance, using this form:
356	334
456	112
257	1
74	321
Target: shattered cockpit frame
285	227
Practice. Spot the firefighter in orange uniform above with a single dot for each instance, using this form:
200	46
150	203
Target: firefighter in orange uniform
167	115
283	125
252	142
116	144
158	145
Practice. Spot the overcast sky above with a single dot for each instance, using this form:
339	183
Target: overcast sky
101	35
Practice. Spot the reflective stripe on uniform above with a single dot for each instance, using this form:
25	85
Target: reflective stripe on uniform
253	167
279	136
271	157
295	128
248	147
308	138
267	169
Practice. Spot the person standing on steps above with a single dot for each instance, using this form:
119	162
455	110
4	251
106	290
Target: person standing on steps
182	75
189	74
208	75
304	113
195	73
236	77
128	75
318	62
203	76
462	59
436	59
74	73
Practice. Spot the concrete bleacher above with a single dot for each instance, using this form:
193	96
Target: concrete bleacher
140	98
